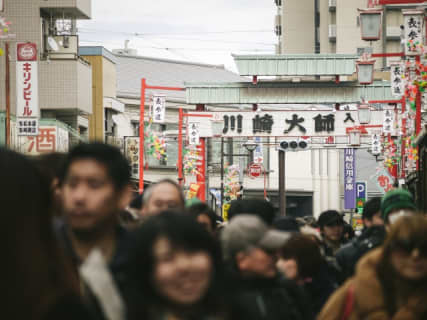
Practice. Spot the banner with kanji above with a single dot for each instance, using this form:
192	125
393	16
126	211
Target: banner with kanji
49	139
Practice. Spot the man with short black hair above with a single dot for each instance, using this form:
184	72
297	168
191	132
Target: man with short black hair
95	188
161	196
372	236
331	225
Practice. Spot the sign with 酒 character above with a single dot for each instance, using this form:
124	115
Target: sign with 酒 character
349	178
49	139
27	90
159	109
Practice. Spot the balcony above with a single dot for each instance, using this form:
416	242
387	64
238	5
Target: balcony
332	32
332	5
78	9
65	85
67	47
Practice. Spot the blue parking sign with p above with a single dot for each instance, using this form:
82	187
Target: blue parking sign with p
361	190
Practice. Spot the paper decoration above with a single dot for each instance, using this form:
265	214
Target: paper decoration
156	145
191	160
231	182
159	109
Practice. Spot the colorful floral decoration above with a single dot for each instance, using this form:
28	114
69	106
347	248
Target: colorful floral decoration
4	30
156	144
231	182
191	160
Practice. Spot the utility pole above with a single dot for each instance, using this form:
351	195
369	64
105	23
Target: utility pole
282	183
7	94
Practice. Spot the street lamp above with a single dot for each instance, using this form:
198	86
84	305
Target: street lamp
370	23
364	113
250	145
365	71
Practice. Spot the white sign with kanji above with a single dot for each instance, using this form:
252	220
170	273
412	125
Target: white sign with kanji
159	109
413	33
132	154
376	144
27	89
397	83
193	133
388	121
27	126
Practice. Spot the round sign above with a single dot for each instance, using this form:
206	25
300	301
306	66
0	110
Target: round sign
254	170
27	52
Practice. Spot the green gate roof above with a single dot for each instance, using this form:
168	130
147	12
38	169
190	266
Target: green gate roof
296	64
286	92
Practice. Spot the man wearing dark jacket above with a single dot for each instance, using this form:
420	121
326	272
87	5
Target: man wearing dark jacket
257	290
372	236
95	187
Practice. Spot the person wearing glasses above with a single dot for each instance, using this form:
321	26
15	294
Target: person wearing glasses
390	281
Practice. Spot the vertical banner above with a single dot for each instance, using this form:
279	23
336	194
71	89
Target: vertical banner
159	109
376	144
397	85
27	90
349	178
132	154
388	121
258	152
193	133
413	31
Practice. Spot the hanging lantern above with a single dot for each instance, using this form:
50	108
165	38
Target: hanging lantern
354	137
364	113
370	23
365	71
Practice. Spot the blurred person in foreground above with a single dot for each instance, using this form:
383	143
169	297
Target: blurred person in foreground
301	260
373	235
391	281
261	208
257	289
39	283
161	196
175	270
95	187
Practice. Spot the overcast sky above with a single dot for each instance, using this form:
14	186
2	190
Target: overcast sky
205	31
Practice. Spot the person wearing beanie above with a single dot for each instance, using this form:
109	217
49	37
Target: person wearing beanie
395	204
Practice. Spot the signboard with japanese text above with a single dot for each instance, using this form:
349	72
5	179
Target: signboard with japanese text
349	178
376	144
132	154
383	180
159	109
27	91
49	139
321	123
27	126
396	79
413	28
193	133
388	121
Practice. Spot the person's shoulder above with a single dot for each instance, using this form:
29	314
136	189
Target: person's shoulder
68	307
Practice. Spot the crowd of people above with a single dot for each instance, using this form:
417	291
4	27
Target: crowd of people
78	244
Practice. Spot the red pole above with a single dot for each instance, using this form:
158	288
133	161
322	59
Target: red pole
180	175
141	137
201	178
7	95
418	110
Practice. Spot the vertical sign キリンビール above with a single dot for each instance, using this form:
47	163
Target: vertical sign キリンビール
349	178
27	90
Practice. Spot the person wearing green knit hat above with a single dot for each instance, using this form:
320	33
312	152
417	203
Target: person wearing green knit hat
395	204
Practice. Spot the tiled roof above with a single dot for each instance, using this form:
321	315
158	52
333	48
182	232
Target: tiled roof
162	72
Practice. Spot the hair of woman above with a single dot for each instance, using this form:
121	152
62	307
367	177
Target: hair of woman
36	273
183	233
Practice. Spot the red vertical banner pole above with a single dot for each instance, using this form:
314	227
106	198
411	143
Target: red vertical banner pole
201	178
141	136
180	174
403	147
